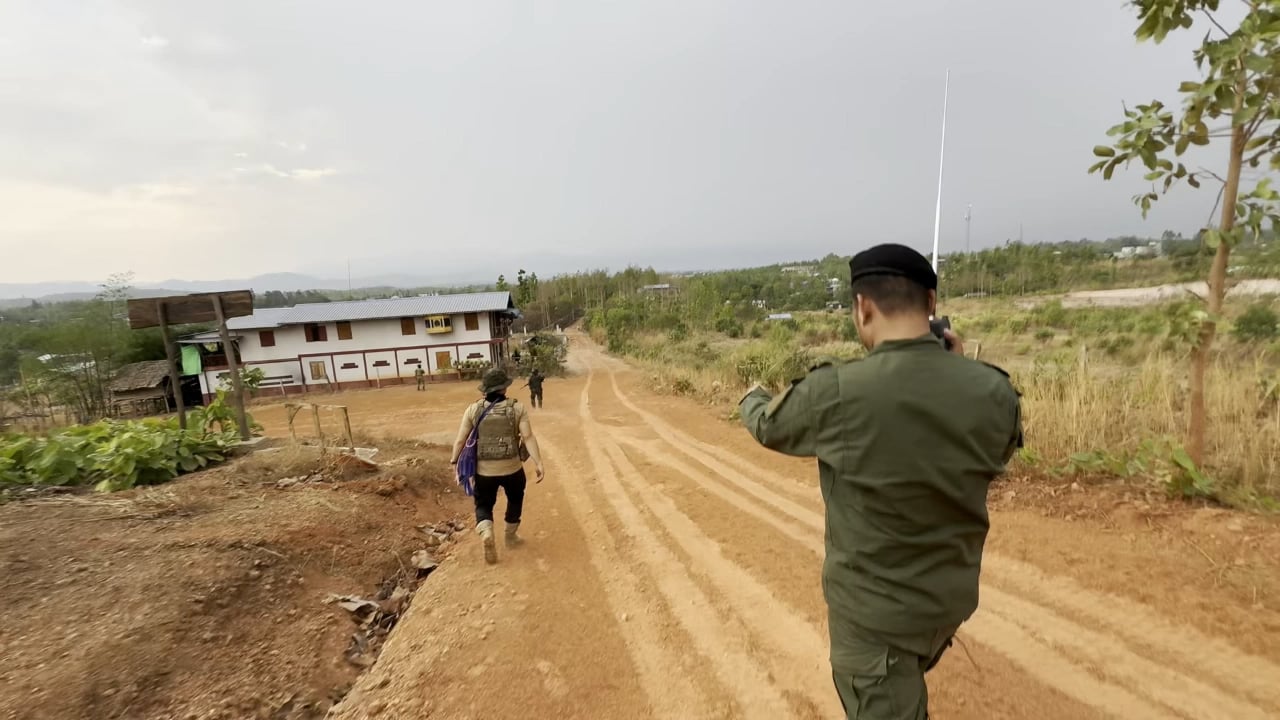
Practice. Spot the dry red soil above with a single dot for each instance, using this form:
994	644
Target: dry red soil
672	571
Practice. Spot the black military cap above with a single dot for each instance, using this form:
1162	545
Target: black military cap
893	259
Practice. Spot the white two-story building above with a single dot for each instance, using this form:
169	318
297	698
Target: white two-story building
362	343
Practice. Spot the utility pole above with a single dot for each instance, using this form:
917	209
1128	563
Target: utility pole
968	223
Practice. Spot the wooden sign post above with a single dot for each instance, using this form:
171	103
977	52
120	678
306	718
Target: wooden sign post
190	309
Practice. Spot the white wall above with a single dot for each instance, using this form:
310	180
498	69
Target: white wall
366	335
282	372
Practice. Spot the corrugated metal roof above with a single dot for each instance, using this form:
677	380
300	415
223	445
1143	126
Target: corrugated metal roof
261	318
374	309
213	336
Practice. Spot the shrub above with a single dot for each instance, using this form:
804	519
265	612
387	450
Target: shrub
848	330
113	455
1051	314
1258	323
730	326
774	365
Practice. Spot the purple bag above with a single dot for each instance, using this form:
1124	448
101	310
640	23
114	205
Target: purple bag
467	458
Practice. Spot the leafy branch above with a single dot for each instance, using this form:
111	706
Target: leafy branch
1240	83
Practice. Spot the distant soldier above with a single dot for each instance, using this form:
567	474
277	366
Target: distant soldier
535	387
421	375
504	439
515	356
907	441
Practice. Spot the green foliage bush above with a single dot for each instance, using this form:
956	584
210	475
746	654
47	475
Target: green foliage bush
113	455
1258	323
545	352
1164	459
848	330
772	365
729	326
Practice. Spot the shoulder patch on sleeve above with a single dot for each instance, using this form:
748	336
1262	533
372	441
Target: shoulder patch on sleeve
821	363
777	400
997	368
1006	375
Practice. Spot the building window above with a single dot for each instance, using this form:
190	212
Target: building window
344	330
412	361
350	366
472	320
381	363
407	327
439	324
318	370
267	338
315	332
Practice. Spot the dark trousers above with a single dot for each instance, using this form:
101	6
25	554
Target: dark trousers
486	495
886	681
535	397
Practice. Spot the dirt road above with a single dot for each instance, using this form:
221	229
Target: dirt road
673	572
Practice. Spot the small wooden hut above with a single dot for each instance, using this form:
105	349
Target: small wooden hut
142	388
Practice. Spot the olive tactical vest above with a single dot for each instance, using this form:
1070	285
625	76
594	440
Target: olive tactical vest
499	433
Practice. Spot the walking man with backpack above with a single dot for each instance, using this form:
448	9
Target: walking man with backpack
494	440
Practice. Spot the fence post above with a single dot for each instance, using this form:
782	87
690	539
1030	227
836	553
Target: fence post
315	417
291	412
346	423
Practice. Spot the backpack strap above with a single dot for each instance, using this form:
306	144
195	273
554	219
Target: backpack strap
475	427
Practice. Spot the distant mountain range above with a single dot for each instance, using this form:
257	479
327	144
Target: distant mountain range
12	294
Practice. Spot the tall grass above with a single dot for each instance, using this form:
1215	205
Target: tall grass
1086	409
1093	402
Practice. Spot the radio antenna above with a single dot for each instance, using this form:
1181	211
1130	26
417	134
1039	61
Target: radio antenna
937	215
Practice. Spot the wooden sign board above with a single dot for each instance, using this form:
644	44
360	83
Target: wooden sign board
188	309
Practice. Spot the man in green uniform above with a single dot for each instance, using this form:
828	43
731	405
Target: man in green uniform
907	441
536	379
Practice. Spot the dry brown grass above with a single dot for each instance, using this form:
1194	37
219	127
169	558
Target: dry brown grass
1078	403
1088	407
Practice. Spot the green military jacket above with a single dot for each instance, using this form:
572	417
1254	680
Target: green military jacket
907	441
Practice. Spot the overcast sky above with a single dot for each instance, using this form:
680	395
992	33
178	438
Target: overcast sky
207	140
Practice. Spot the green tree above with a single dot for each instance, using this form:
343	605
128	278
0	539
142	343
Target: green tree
1240	87
502	285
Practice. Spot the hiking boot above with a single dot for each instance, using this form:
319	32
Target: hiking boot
485	529
511	537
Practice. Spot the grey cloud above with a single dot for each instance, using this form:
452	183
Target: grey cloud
680	134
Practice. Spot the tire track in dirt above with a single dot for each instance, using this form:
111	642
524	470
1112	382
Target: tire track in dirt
718	459
1010	639
1190	648
1110	657
652	452
1072	680
755	695
1257	677
798	648
999	630
661	670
